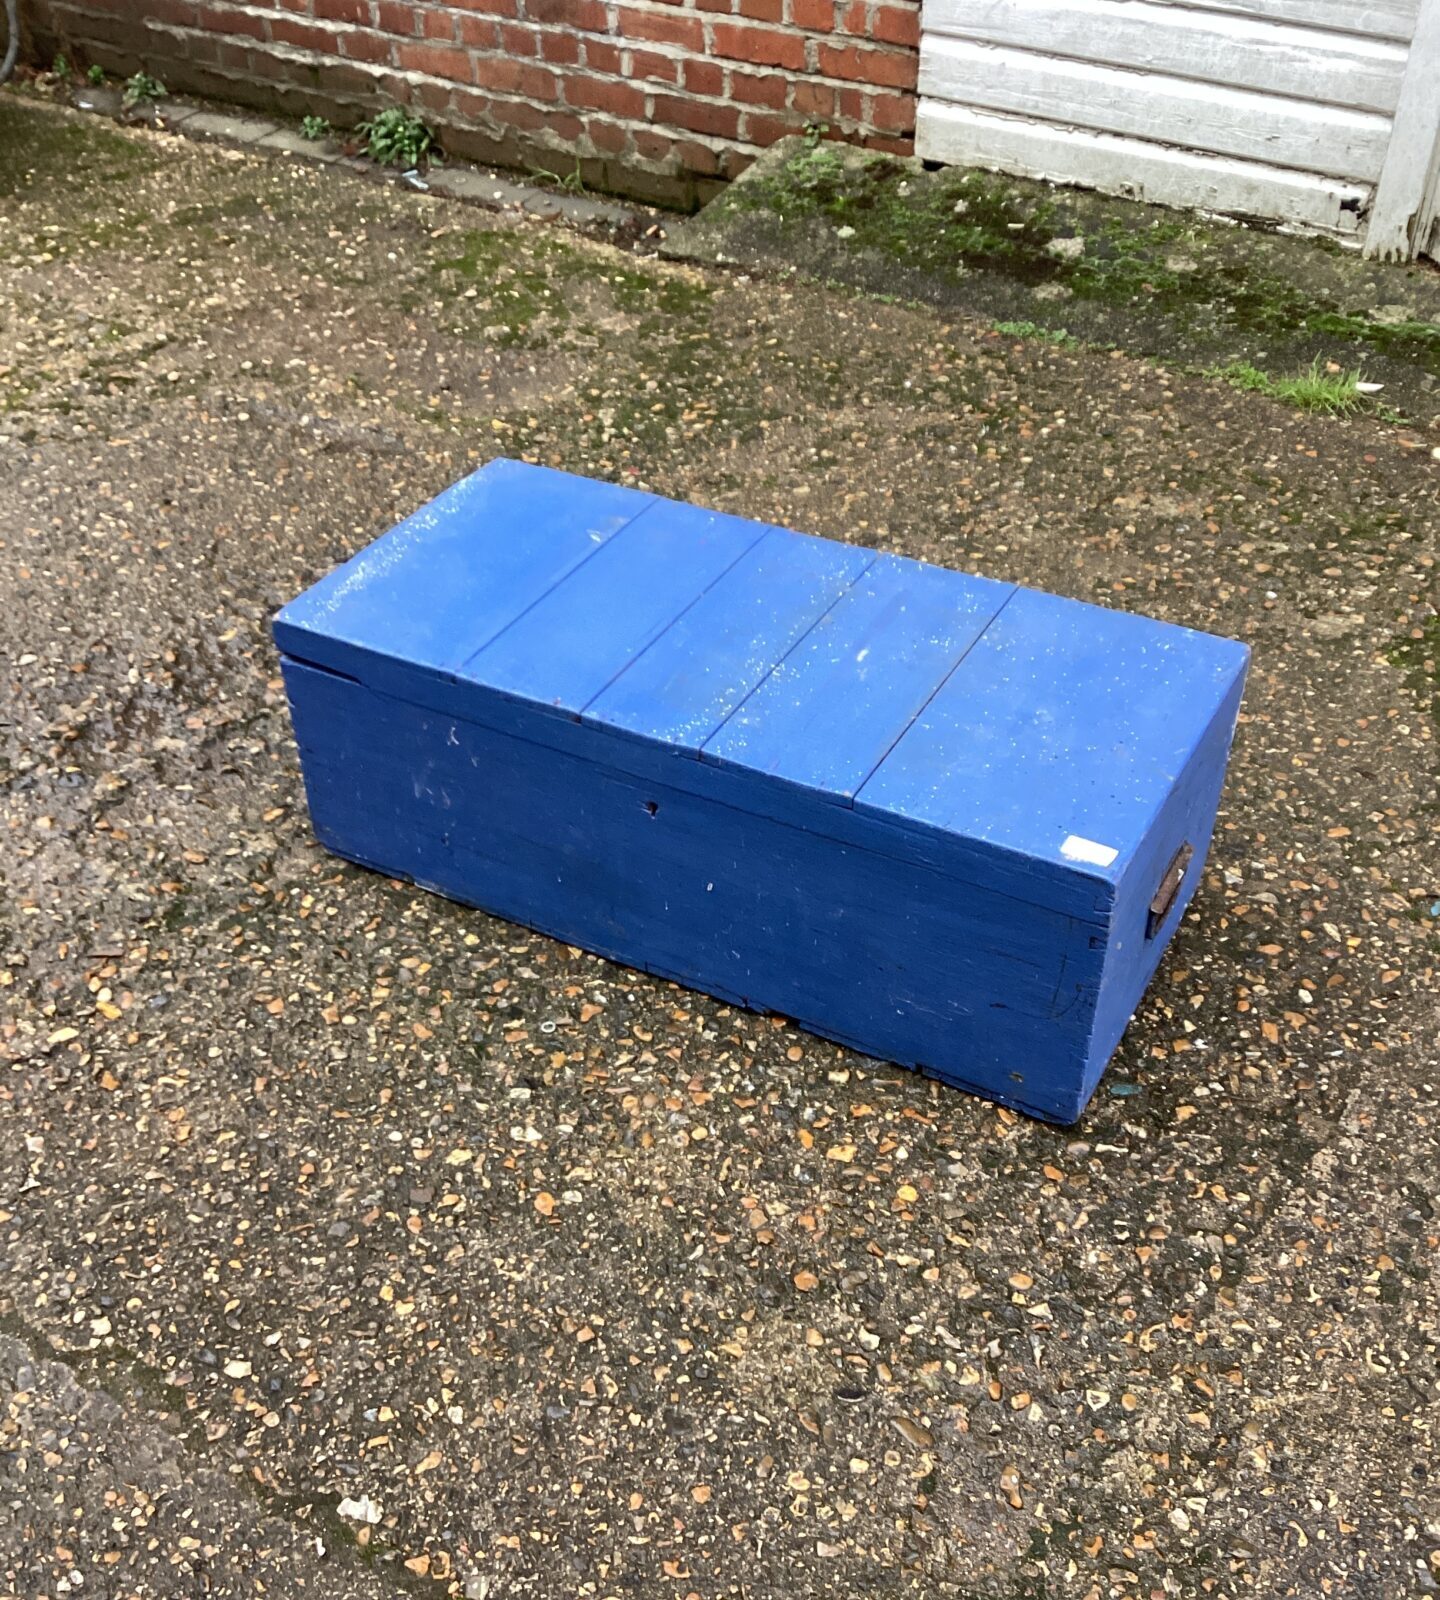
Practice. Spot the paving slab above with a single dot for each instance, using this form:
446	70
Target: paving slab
290	143
228	128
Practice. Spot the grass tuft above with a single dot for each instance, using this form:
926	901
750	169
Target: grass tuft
1334	394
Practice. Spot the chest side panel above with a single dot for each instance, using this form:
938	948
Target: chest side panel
1146	918
890	956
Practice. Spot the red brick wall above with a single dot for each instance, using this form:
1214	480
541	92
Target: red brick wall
657	97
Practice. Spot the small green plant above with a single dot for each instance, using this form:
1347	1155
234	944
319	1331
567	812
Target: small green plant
141	89
60	67
819	168
1334	394
396	137
573	183
315	128
95	76
1033	330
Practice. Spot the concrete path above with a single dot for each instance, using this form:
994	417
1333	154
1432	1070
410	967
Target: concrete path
355	1244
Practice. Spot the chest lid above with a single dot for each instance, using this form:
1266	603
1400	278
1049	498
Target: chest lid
927	700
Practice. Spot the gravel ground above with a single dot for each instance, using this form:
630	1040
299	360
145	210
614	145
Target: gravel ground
357	1244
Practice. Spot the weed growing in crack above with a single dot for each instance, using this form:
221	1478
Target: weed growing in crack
396	137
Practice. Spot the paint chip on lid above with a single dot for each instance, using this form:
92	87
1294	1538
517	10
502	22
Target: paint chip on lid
1087	850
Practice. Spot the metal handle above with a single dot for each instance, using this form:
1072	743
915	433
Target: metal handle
1164	897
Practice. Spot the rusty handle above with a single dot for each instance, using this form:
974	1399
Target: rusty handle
1164	896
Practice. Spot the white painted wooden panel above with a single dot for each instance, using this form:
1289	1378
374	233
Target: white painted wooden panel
1405	202
1137	168
1211	47
1234	122
1372	19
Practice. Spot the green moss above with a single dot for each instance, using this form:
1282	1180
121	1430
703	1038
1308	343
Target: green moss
514	282
945	225
239	207
668	297
948	225
521	284
1417	655
49	152
1033	330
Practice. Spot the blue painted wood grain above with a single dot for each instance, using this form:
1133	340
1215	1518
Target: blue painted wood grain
439	586
573	642
1065	722
711	657
929	812
830	712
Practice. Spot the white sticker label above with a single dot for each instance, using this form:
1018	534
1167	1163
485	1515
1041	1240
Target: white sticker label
1093	855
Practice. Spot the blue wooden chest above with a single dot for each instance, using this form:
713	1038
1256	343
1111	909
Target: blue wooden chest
947	821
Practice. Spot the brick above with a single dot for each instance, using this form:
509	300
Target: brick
759	89
561	48
855	19
883	68
437	25
589	16
653	146
305	36
372	47
850	104
661	28
476	107
564	125
896	25
764	47
704	77
479	33
356	12
391	16
818	16
602	56
759	127
199	47
439	60
696	157
892	113
516	39
714	5
517	114
243	61
233	22
763	10
436	98
607	136
504	76
710	117
891	147
814	100
177	13
605	94
654	67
